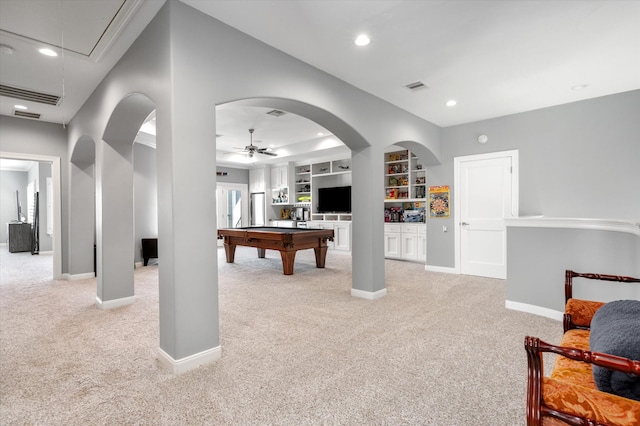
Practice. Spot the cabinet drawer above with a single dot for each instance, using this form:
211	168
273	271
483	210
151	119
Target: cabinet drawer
392	227
409	229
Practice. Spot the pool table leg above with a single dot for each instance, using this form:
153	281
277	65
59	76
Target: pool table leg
261	252
288	259
230	251
321	256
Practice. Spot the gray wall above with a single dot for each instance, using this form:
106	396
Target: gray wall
538	258
233	175
576	160
10	181
23	136
145	190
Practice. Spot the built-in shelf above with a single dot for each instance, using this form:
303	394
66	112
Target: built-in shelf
345	217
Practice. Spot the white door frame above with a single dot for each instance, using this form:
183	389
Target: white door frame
57	204
245	206
515	191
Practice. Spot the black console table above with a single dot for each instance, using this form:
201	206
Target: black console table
149	249
19	237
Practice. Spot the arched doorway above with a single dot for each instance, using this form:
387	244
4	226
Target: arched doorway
114	201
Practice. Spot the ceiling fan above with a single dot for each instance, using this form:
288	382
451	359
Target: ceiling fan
252	149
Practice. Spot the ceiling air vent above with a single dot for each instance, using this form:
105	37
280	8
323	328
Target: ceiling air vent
29	95
276	113
25	114
416	85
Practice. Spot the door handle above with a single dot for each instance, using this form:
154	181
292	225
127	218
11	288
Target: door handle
464	224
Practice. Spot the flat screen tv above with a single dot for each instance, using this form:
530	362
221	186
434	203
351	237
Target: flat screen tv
335	199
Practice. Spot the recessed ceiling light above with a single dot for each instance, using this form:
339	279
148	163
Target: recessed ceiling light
47	52
20	107
362	40
451	103
579	87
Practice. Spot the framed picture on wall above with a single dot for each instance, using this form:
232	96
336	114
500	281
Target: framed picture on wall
439	201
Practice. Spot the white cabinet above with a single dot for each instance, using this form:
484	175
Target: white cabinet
342	236
280	176
409	246
324	225
392	241
258	181
421	240
405	241
341	233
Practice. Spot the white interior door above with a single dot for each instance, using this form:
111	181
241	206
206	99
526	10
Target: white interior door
487	194
232	205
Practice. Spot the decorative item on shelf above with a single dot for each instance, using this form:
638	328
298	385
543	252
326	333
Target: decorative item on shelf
420	180
403	194
304	198
404	168
420	192
393	214
391	193
343	167
285	214
393	181
418	166
403	181
396	168
324	169
413	216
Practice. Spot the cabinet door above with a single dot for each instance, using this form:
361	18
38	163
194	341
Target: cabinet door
409	246
421	250
256	180
324	225
279	177
342	236
392	245
276	182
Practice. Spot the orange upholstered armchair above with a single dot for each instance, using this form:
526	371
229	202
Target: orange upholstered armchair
570	395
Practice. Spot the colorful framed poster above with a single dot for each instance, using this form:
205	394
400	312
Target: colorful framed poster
439	201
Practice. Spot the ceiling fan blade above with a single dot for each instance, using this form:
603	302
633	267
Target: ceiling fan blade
265	152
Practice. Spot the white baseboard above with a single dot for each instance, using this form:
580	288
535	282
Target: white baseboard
190	362
444	269
533	309
137	265
116	303
3	244
368	294
77	277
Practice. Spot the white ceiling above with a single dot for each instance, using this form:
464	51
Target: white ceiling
494	57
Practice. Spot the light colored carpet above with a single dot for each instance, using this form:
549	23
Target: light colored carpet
439	349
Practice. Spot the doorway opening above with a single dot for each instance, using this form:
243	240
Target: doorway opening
55	246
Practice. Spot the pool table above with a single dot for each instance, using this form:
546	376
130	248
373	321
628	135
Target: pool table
286	240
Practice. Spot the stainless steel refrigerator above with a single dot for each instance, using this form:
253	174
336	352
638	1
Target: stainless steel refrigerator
257	207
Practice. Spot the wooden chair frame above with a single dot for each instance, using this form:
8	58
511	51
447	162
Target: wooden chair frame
568	291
